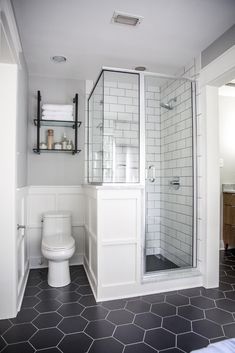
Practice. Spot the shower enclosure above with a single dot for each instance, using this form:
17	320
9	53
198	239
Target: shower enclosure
141	129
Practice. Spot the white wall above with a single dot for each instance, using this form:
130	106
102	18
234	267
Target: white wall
51	168
227	134
54	198
22	123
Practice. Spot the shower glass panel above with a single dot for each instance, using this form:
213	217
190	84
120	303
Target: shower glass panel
95	132
169	184
114	129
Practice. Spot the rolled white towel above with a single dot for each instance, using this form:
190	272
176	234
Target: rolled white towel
54	113
58	107
59	117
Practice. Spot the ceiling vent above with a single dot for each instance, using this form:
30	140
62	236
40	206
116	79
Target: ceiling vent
126	19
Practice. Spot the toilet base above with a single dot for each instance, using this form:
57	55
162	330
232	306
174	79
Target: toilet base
58	273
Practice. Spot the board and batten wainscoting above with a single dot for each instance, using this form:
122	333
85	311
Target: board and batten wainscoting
54	198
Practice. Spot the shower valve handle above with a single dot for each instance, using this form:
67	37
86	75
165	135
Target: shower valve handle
151	173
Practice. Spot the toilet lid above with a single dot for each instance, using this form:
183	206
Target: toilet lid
58	242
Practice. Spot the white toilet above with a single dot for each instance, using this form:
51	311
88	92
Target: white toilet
58	246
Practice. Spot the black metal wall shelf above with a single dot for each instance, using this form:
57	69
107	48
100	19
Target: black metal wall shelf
75	124
45	150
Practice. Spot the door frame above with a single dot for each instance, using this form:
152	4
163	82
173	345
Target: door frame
217	73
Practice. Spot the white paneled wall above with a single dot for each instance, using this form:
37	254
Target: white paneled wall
49	198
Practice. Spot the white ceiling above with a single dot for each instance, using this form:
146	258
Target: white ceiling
171	34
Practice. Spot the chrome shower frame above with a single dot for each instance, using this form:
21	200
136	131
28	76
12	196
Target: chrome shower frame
142	75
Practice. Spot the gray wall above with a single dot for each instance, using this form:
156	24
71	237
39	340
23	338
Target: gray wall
55	168
218	47
21	124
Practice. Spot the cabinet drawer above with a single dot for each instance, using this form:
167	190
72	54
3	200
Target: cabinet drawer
229	199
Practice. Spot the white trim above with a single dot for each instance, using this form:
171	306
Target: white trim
217	73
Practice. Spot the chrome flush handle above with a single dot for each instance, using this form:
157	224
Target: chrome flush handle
20	226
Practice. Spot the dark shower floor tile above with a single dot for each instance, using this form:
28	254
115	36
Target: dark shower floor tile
158	263
69	320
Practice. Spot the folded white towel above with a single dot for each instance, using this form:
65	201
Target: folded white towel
54	113
58	107
59	117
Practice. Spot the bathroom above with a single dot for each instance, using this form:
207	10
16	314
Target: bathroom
130	171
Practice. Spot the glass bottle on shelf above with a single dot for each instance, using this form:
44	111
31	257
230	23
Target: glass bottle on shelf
50	139
70	145
64	142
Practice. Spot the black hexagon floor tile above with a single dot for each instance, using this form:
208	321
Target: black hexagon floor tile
88	300
176	324
19	333
191	292
48	294
47	320
73	324
68	297
95	313
191	341
47	306
229	330
154	298
120	317
31	291
138	306
93	326
220	316
163	309
202	302
212	293
230	295
177	299
23	347
30	302
74	343
226	304
190	312
129	333
207	329
84	290
25	315
2	343
114	304
99	329
4	325
45	338
160	339
148	320
106	345
139	348
70	309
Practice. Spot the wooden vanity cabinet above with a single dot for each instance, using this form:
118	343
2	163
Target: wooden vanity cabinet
228	219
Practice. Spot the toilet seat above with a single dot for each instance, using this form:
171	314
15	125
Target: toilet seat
58	242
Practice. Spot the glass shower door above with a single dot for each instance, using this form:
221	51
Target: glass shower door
169	185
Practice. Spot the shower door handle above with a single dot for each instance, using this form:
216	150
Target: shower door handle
151	173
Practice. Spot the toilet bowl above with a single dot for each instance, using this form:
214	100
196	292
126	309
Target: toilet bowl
58	246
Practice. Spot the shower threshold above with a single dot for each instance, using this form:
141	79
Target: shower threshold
158	263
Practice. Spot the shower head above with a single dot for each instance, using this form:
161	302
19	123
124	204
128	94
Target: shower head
169	105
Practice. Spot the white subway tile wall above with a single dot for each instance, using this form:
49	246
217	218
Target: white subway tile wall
114	129
177	163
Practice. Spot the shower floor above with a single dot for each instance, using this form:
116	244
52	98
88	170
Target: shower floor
158	263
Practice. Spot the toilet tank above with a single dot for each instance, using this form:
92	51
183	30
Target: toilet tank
55	223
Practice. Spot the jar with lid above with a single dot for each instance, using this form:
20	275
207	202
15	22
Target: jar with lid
50	139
